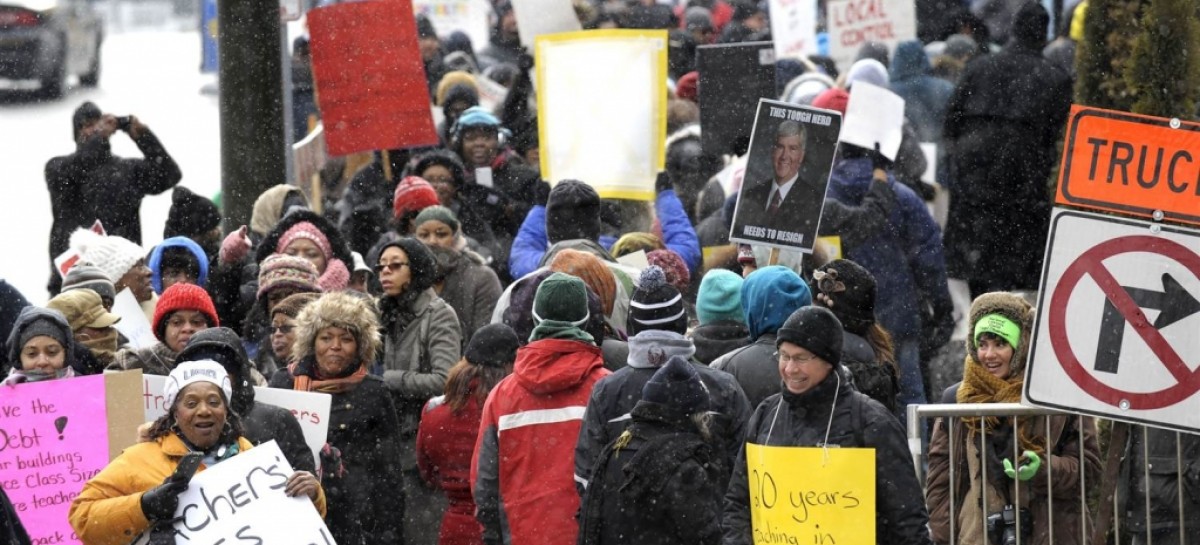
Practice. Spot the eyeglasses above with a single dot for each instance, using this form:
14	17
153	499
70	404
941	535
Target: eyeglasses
393	266
803	358
827	281
285	329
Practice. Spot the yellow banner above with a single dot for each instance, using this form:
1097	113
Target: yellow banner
811	496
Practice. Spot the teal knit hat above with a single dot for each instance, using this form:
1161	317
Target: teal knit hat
439	213
561	298
720	297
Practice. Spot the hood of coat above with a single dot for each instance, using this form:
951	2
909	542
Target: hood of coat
553	365
338	244
224	346
910	61
719	338
156	256
268	208
28	316
1013	307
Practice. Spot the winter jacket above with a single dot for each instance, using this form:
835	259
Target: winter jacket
855	224
925	97
152	360
1166	477
368	508
417	358
678	236
108	511
11	529
718	338
905	257
11	303
801	420
754	367
522	465
879	381
660	488
471	289
445	443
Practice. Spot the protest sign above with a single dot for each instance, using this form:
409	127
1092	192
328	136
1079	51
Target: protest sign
58	434
467	16
608	132
311	409
370	78
851	23
732	78
811	496
874	115
133	324
538	17
243	498
787	173
794	28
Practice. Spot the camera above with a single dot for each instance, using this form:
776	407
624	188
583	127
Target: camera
124	122
1002	526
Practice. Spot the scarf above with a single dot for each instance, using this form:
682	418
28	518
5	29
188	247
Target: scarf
18	376
104	347
979	386
653	347
307	378
554	329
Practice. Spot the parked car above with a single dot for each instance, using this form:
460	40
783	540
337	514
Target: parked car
49	41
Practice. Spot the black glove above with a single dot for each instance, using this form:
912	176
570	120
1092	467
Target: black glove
662	183
525	60
159	503
541	193
878	159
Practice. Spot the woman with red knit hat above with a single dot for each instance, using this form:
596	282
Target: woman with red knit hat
182	310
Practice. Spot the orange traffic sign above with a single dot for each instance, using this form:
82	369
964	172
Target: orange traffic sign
1135	164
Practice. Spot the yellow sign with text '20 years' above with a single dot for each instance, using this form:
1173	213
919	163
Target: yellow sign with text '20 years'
811	495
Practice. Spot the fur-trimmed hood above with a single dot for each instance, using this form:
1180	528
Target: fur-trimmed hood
344	310
341	250
1011	306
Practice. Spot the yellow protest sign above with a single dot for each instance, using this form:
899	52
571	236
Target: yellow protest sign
811	496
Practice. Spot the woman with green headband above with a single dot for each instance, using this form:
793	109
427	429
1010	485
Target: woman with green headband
1023	461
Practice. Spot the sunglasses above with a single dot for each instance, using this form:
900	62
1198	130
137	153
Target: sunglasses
285	329
393	266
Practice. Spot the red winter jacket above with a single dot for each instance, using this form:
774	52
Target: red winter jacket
445	442
524	459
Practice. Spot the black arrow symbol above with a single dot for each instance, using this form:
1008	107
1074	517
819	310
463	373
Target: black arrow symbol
1174	303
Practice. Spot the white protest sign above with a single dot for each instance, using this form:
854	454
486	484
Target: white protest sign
311	409
133	325
851	23
794	28
537	17
636	260
467	16
874	114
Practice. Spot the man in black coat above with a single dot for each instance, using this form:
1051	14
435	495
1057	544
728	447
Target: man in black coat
93	184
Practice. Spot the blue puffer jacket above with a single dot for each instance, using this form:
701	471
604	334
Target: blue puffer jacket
905	256
156	255
678	235
925	97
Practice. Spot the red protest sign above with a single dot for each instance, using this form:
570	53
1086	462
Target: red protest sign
370	80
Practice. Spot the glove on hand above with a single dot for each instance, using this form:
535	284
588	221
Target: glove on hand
160	502
879	160
1025	471
235	247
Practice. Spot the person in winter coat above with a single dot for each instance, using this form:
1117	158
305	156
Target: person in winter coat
91	328
337	341
504	45
138	494
450	425
657	483
1001	127
817	405
722	327
469	202
925	97
464	281
283	333
123	262
422	340
769	295
1154	469
177	260
521	469
40	347
1036	454
196	218
93	184
183	310
11	303
260	422
11	529
657	323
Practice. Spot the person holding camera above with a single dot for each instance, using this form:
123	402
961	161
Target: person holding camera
93	184
1006	474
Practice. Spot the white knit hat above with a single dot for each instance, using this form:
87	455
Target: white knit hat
111	254
191	372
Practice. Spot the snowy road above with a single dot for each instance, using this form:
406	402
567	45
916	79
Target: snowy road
151	74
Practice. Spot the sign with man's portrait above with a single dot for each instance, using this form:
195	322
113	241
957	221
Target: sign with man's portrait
787	172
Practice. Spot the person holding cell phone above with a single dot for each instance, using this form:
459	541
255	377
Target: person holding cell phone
138	492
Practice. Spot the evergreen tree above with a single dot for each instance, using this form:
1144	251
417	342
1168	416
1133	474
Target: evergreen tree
1109	32
1164	74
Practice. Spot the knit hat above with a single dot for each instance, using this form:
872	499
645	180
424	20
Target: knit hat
307	231
572	212
720	297
770	295
475	116
190	214
655	304
688	86
493	345
182	297
815	329
561	298
439	213
1000	326
291	305
191	372
425	27
698	18
634	242
960	46
672	266
852	290
42	326
287	271
877	51
84	114
869	71
156	260
452	80
587	267
83	308
413	194
111	254
84	275
1011	307
31	322
677	384
832	99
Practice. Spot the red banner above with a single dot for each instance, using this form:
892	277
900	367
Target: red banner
370	80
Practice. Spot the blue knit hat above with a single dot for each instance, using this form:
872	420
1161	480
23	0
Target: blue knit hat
770	295
720	297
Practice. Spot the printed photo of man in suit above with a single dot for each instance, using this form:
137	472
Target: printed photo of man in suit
789	202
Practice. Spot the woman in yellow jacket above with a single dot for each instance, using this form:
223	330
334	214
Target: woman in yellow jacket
138	492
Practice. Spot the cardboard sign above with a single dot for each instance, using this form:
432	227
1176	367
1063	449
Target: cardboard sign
133	324
58	435
1134	164
608	132
538	17
370	78
311	409
242	500
787	174
874	114
794	28
851	23
811	495
467	16
732	79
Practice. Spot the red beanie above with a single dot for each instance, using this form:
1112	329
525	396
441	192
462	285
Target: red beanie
832	99
413	194
688	86
182	297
